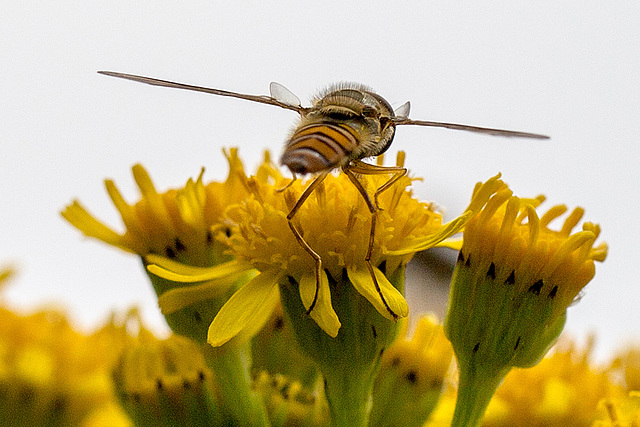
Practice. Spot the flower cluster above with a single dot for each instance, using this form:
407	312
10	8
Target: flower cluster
52	375
336	224
328	310
286	299
563	389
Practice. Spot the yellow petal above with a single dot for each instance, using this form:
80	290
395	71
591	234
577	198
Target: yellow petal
125	210
431	240
323	312
483	191
154	200
451	243
80	218
361	280
249	308
178	272
177	298
191	203
257	323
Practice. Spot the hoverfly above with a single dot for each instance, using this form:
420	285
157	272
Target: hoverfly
345	124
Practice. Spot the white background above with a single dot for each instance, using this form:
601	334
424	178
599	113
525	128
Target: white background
567	68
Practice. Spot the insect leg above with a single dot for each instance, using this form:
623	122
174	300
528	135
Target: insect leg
294	178
303	197
367	169
362	168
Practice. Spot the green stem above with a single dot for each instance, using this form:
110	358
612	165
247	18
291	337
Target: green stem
475	390
244	406
348	361
348	392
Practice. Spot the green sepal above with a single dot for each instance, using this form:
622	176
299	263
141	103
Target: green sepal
497	324
275	350
494	326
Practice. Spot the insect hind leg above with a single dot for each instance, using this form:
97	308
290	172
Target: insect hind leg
367	169
301	241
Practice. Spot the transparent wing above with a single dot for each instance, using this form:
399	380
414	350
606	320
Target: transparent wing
165	83
477	129
284	95
402	112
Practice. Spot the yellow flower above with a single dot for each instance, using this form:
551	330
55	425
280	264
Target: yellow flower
50	373
628	362
411	377
179	224
620	412
538	260
335	222
515	279
5	274
563	389
511	288
182	225
424	359
289	403
165	382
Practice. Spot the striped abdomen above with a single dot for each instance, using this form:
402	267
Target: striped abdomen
318	147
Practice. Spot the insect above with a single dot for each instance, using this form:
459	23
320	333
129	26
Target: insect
346	124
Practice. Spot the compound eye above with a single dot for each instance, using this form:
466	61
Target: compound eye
369	112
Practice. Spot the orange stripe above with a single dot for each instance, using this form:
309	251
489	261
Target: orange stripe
342	135
321	144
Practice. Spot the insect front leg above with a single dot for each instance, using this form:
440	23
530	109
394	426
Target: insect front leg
367	169
303	197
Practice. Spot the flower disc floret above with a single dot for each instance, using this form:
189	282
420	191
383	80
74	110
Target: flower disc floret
334	221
